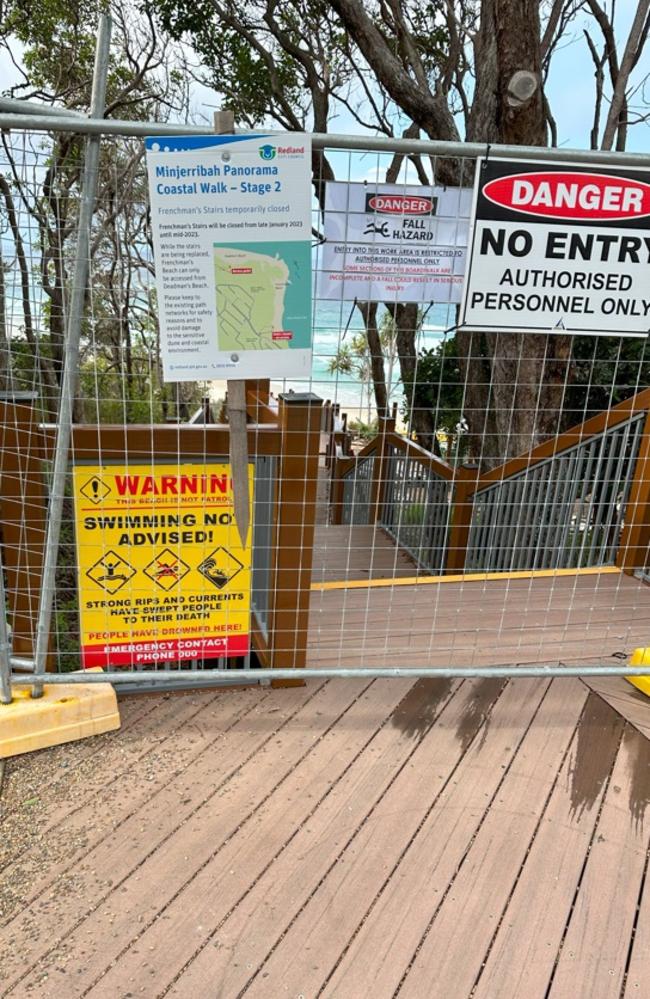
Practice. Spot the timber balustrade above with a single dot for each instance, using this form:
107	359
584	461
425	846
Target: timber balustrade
283	441
579	499
582	498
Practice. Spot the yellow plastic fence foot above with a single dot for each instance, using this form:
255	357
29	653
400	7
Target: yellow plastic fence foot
640	657
64	713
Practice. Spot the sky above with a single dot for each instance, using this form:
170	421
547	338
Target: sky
570	88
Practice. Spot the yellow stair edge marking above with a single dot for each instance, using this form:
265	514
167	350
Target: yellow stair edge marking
64	713
640	657
470	577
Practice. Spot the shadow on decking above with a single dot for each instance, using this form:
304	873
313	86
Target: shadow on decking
442	838
344	839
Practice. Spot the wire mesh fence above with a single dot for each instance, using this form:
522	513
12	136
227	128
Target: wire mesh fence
484	502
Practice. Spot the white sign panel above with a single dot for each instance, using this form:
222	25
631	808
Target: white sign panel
559	247
231	221
392	242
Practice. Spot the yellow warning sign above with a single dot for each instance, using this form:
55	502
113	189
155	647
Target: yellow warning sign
163	575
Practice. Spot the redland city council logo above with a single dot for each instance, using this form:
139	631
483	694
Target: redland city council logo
571	195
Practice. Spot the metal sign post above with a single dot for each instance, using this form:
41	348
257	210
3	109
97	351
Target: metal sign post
224	122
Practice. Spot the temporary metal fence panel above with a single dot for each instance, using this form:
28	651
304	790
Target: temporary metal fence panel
412	585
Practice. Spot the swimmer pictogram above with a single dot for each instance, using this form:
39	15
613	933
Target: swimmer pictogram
111	572
167	569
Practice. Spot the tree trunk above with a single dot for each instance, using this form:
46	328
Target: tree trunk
5	355
421	418
47	375
520	405
368	312
475	366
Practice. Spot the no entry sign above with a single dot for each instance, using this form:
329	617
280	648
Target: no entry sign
559	247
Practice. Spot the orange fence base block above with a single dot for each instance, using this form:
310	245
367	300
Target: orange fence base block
64	713
640	657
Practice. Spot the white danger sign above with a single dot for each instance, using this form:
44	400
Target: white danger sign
394	242
559	247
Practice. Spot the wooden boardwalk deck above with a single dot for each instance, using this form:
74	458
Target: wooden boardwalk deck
479	623
346	552
434	839
430	839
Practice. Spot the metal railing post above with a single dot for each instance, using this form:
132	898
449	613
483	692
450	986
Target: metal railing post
71	352
300	416
462	505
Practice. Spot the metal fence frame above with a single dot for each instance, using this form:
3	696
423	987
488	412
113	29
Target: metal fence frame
19	116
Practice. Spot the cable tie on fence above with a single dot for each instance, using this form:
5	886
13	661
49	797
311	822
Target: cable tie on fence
453	329
488	149
347	325
427	311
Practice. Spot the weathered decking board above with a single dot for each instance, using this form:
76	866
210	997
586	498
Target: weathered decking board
348	839
357	552
453	895
633	705
548	619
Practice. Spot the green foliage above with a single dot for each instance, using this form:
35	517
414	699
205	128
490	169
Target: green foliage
59	37
362	430
119	346
66	637
413	514
601	372
605	371
438	385
352	358
431	35
247	75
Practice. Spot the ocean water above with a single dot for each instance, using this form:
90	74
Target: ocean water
335	323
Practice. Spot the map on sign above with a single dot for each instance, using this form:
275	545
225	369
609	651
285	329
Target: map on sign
263	299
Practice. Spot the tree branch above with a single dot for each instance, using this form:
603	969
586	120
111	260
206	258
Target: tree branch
430	112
